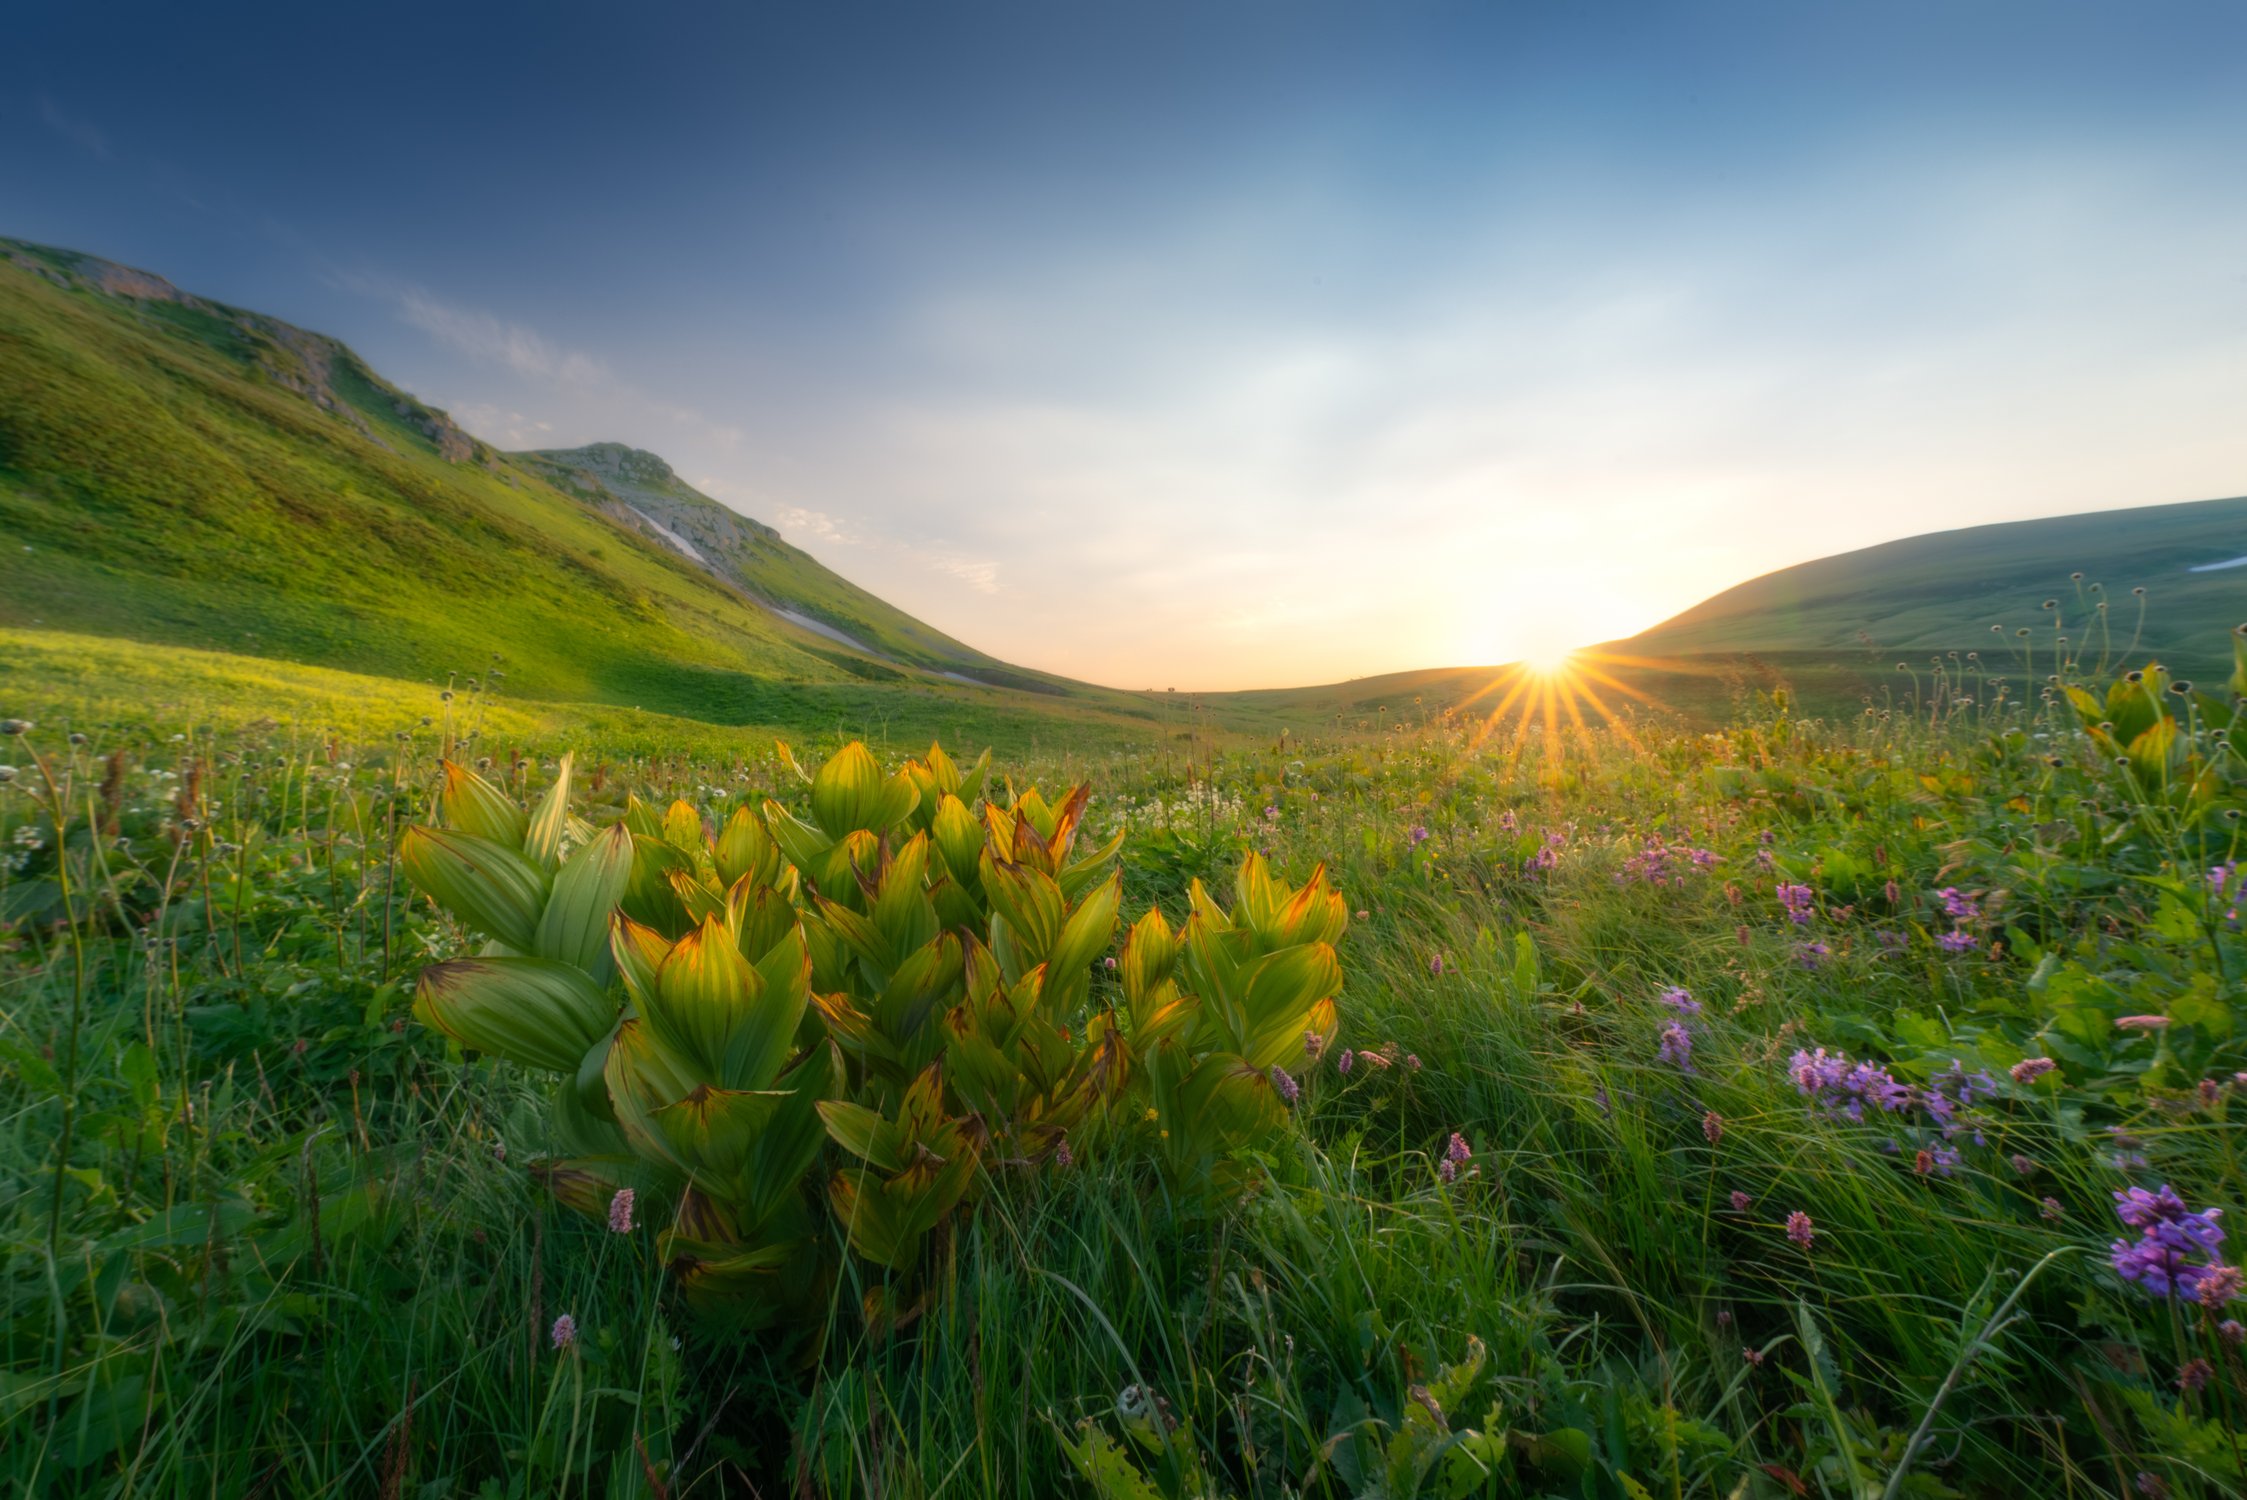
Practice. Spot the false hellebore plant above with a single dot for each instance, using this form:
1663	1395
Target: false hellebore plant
807	1033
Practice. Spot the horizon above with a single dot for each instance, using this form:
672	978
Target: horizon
1428	339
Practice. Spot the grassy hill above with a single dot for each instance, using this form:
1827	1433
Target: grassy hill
2148	583
183	473
1945	590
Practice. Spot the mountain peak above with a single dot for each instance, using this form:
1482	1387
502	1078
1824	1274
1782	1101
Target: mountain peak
613	461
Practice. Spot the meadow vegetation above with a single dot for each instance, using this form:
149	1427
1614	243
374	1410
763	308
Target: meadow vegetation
1814	1106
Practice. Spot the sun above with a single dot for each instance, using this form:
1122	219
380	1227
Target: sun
1550	661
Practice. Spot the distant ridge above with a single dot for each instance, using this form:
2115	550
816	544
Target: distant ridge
179	471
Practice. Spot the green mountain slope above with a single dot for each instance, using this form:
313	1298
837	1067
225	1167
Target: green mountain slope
1945	590
180	472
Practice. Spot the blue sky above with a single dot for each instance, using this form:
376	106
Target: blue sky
1238	343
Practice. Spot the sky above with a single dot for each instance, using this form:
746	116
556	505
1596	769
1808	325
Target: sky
1237	343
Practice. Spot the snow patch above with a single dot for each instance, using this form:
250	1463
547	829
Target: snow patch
2237	562
669	535
821	627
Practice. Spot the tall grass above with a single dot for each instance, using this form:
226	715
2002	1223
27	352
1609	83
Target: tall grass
297	1251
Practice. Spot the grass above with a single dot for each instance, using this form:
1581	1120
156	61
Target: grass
296	1250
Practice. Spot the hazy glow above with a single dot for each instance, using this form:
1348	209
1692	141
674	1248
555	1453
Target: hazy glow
1228	344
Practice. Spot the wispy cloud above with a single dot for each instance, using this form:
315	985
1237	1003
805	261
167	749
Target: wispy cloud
481	336
82	133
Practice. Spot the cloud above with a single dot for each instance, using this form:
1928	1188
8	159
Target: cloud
481	336
81	133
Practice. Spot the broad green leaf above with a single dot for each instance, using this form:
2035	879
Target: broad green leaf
542	840
469	804
488	886
574	929
532	1011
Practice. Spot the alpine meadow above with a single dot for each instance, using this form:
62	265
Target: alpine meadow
520	978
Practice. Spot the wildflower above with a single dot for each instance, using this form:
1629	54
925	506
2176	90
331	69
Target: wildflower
2030	1069
1109	963
1753	1356
1680	999
1740	1201
1800	1229
2232	1331
15	727
1797	899
1361	914
2140	1023
1412	1061
2193	1375
1677	1047
2221	1284
1313	1045
1456	1149
1435	964
1893	891
2052	1210
565	1331
1811	955
1957	907
1712	1126
1271	814
1447	1170
1374	1059
1417	836
1343	1063
2022	1166
1959	941
620	1212
2162	1260
1062	1155
2150	1485
1282	1080
1924	1162
2211	1093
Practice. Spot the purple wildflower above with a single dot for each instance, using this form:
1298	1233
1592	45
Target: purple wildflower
1956	906
1345	1062
1712	1126
1811	955
1677	1047
1457	1149
1435	964
620	1212
1447	1170
1313	1045
1062	1155
2030	1069
2194	1375
565	1331
2232	1331
1417	836
1960	941
1680	999
1284	1082
1797	899
1800	1229
1741	1202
